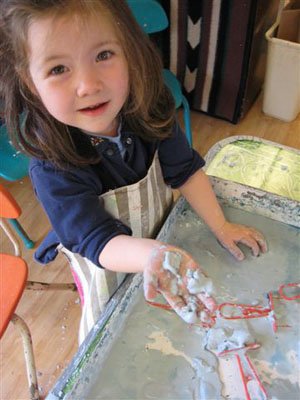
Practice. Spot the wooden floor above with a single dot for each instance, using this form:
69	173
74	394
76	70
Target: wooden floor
53	317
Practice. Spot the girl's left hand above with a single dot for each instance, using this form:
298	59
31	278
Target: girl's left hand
230	234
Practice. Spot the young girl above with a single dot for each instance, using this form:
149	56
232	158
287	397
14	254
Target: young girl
106	150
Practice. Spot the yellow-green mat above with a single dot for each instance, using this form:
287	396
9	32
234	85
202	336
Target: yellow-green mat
259	165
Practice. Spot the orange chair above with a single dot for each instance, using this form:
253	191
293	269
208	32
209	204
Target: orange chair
13	282
10	210
13	221
13	278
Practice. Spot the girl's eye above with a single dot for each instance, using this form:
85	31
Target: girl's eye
58	70
104	55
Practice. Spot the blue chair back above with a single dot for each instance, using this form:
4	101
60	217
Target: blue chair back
13	164
152	18
149	14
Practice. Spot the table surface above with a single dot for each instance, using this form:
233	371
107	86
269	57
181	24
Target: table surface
137	351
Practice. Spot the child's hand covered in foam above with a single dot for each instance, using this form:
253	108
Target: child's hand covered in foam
173	273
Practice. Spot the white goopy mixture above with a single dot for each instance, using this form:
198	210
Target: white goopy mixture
196	283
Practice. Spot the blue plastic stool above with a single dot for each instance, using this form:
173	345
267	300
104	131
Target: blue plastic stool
174	86
152	18
13	166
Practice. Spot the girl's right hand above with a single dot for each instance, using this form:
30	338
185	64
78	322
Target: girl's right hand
173	273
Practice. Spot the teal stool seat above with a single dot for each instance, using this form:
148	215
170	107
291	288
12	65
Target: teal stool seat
174	86
13	164
149	15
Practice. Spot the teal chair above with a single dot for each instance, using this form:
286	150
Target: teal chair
152	18
13	166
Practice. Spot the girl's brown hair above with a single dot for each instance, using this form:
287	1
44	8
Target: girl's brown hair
149	110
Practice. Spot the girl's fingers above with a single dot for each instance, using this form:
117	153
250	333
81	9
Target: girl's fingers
256	244
252	244
175	301
208	302
192	264
150	291
234	250
258	238
206	319
261	241
194	311
235	233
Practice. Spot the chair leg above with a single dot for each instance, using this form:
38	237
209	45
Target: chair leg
187	120
23	235
11	235
29	357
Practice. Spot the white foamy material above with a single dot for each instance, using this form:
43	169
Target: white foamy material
172	262
220	339
198	283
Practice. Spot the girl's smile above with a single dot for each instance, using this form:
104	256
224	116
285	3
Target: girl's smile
94	111
79	71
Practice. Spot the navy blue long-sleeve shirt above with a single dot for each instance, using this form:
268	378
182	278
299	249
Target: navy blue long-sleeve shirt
71	197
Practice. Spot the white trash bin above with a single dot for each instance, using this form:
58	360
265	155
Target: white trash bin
281	97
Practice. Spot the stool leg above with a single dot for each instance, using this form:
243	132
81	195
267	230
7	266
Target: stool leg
23	235
11	236
29	357
187	120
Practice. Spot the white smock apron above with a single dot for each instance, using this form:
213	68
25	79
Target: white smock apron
143	207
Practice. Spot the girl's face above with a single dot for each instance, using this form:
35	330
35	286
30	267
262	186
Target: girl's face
79	71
